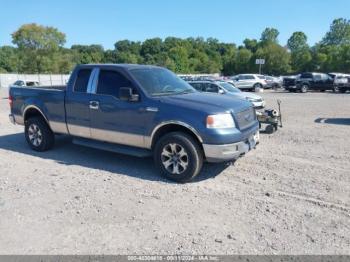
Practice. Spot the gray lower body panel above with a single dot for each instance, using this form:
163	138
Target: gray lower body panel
116	148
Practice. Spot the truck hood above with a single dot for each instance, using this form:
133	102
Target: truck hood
207	102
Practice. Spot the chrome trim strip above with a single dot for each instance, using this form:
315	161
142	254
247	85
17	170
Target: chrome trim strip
37	108
149	140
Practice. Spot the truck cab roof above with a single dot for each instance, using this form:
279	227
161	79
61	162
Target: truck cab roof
123	66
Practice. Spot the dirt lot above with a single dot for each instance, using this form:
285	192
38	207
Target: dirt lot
289	196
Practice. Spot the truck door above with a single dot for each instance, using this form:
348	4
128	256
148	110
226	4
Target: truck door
77	105
328	82
317	83
114	120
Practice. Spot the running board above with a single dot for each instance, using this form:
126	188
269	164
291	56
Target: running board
116	148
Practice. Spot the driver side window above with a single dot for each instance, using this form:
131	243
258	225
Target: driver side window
109	83
212	88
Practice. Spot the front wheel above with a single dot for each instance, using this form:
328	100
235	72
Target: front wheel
178	157
257	86
38	134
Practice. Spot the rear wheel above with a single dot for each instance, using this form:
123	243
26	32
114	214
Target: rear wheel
178	157
38	134
304	88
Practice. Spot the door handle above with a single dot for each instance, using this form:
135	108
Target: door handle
94	105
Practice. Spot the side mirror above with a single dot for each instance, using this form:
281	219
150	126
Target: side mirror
221	91
125	94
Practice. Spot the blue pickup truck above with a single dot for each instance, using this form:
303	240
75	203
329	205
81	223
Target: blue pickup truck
139	110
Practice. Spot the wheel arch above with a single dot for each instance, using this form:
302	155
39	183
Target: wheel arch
32	111
174	126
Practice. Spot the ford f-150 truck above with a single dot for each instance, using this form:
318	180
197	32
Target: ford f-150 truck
314	81
138	110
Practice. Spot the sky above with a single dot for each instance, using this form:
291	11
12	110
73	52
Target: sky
107	21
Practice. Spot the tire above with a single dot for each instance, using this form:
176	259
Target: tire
336	89
257	85
171	145
270	129
38	134
342	90
304	88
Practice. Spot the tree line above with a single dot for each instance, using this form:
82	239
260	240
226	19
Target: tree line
40	49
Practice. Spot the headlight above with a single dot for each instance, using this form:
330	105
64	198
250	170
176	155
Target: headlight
220	121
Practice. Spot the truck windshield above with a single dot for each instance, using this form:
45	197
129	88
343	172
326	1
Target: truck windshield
160	82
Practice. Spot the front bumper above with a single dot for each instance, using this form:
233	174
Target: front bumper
227	152
12	119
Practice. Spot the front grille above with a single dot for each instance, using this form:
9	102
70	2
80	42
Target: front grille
245	118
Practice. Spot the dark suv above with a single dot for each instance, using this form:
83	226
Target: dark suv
314	81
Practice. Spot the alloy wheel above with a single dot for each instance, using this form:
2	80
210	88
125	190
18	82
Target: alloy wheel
174	158
35	135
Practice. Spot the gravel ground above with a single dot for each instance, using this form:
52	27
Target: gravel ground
289	196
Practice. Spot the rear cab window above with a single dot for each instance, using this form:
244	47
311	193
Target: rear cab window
306	76
82	81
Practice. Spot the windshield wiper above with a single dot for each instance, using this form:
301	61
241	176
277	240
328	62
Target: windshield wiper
163	93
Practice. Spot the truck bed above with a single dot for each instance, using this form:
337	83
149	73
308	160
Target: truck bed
50	99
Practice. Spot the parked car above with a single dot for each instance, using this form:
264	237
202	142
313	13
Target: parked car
273	82
314	81
26	83
341	82
138	110
249	81
222	87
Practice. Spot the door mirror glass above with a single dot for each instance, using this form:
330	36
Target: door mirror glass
125	94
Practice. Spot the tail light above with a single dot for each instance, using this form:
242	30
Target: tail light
10	100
